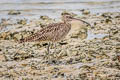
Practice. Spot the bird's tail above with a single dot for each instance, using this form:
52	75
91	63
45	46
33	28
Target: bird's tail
27	39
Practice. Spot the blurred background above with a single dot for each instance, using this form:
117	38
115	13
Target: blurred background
52	8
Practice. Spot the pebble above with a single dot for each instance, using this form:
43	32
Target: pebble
85	12
12	12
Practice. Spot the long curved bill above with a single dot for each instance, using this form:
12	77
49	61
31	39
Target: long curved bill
82	21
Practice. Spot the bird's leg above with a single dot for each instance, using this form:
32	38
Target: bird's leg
48	48
47	56
55	51
55	47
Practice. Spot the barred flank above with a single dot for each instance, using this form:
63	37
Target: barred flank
53	32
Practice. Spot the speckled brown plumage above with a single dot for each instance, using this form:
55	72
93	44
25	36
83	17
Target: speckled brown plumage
53	32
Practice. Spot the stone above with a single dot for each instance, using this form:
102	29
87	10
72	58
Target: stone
44	17
85	12
70	13
5	35
2	57
17	36
12	12
23	22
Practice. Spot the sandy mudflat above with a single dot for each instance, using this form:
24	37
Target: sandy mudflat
94	57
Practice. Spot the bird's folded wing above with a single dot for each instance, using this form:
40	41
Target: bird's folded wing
42	35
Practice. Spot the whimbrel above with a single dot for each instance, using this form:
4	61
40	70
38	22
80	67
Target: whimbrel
53	32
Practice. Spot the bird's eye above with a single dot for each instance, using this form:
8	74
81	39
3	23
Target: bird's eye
68	16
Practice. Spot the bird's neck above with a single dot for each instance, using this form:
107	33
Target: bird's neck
66	22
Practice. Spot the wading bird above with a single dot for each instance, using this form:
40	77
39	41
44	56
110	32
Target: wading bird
53	32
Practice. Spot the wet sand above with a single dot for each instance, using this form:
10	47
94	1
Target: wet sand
91	54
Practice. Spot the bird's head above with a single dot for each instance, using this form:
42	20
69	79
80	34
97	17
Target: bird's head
67	18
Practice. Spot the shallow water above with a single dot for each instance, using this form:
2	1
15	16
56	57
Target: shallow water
53	8
92	35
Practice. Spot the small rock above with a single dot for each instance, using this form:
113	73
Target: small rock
85	12
44	17
108	20
0	49
17	36
45	20
118	58
12	12
63	43
21	55
69	13
117	16
23	22
106	15
2	57
5	22
4	35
